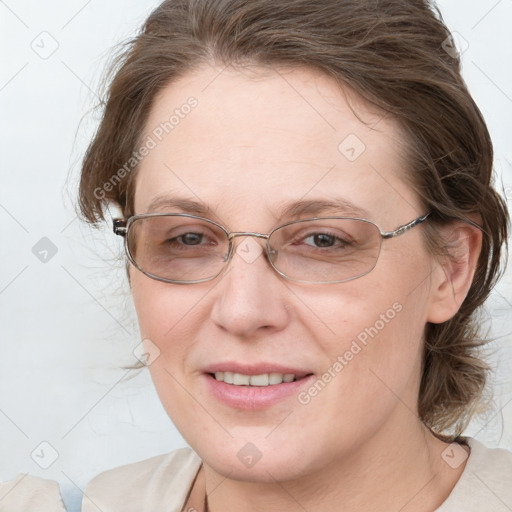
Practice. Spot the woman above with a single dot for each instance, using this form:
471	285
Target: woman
310	228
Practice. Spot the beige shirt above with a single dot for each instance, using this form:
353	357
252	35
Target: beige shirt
27	493
164	483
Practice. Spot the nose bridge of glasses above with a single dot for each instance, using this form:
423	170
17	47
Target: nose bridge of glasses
235	234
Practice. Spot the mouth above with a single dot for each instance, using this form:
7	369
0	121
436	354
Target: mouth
260	380
255	387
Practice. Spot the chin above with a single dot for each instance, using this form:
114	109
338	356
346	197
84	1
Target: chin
259	461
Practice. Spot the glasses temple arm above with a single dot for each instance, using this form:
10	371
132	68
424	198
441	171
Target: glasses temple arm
119	227
406	227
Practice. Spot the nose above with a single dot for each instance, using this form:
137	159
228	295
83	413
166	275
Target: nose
250	297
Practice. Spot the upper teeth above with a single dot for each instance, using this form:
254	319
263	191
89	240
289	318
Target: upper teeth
265	379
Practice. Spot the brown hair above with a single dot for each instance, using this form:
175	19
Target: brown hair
393	54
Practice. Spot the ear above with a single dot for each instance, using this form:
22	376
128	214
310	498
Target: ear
452	275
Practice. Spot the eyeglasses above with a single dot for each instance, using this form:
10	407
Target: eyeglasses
185	249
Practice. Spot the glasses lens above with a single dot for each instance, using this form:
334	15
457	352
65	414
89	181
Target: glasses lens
325	250
177	248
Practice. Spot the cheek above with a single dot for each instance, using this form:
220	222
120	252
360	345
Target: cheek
383	336
168	316
171	316
371	370
373	335
163	309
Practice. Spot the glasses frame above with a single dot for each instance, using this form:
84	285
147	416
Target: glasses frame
121	228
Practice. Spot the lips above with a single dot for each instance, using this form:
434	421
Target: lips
254	386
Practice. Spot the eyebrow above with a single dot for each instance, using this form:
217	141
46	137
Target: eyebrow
186	205
336	206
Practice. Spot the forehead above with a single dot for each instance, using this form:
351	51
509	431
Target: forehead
236	140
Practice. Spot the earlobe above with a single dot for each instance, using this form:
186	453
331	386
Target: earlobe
452	275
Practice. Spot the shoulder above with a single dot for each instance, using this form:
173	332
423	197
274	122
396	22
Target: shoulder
26	492
485	484
494	461
148	483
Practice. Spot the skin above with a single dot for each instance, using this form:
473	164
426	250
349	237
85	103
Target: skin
256	140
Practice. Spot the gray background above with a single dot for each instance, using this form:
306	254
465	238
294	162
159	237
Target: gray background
66	317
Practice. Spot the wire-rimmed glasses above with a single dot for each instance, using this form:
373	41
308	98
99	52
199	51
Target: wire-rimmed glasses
180	248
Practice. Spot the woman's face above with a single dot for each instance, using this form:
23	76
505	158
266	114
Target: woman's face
252	144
